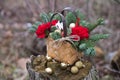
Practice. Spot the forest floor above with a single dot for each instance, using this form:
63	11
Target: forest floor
13	56
14	35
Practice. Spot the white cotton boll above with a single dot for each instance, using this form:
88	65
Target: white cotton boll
49	70
48	58
59	25
64	65
74	70
79	64
72	25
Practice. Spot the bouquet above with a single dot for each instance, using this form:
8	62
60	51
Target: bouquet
68	37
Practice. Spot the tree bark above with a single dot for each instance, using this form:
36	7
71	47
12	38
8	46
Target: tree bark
88	73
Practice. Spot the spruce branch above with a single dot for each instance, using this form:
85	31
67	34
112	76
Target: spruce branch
45	18
70	18
97	37
100	21
90	51
85	44
80	15
55	35
34	26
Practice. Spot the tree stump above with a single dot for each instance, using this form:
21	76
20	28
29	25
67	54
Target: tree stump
36	70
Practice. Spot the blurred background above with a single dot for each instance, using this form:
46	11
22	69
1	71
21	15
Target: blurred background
17	44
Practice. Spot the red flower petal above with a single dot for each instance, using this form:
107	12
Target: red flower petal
41	36
82	32
54	22
40	32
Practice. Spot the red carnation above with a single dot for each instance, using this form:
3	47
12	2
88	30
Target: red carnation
45	26
82	32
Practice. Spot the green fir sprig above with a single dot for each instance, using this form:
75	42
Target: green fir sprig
85	45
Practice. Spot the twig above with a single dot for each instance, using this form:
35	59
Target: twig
112	70
87	9
118	1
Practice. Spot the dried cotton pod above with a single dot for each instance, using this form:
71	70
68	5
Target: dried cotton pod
48	58
79	64
63	65
72	25
49	70
74	70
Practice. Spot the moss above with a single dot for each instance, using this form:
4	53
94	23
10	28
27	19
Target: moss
39	63
58	72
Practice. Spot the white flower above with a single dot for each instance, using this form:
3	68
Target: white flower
72	25
59	25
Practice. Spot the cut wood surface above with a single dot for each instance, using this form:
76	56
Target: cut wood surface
37	71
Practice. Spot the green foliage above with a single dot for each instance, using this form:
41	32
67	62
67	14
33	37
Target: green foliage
50	14
86	44
57	17
80	15
69	31
85	23
70	18
34	27
76	43
55	35
47	32
97	37
53	28
32	30
90	51
83	46
44	17
100	21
